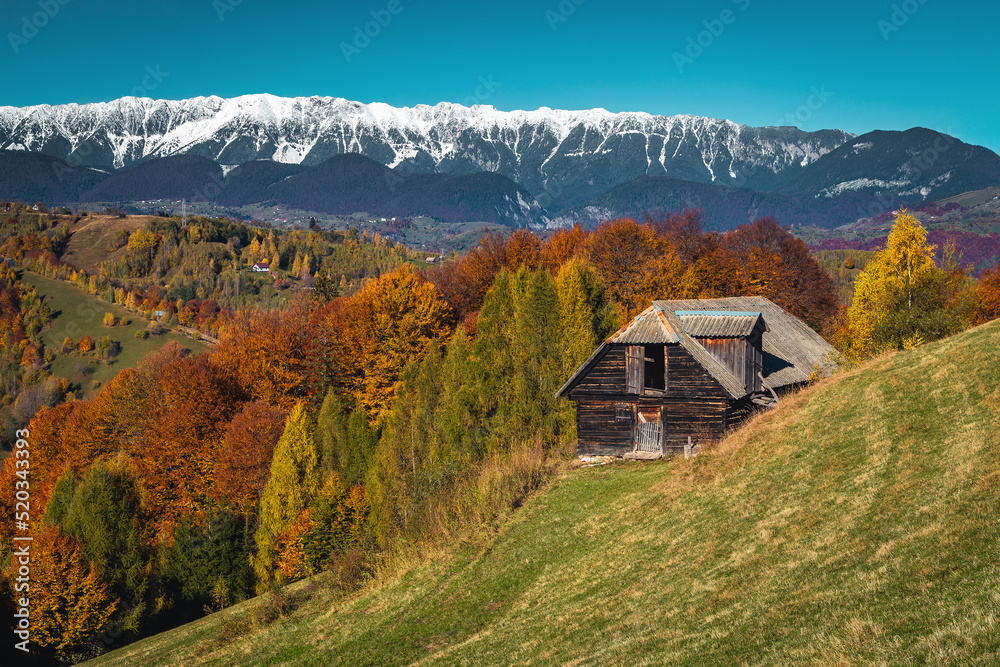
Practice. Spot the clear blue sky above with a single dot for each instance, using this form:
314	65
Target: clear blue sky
933	64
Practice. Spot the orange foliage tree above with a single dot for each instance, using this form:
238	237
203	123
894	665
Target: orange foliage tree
523	248
464	282
60	437
244	462
635	264
169	414
988	296
388	323
188	410
70	604
268	352
763	259
561	247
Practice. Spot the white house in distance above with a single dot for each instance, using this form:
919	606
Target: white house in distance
261	267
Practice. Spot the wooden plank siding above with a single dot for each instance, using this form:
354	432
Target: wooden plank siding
739	356
599	433
634	366
607	376
686	377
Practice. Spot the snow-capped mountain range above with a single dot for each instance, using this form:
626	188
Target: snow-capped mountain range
458	163
562	157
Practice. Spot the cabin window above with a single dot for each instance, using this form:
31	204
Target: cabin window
655	368
645	368
623	413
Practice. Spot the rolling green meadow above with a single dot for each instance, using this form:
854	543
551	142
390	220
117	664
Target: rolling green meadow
76	314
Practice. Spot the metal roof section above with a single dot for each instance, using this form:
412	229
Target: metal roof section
721	374
720	324
792	351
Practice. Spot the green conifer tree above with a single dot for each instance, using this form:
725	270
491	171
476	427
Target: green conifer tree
62	497
331	433
361	442
108	516
293	482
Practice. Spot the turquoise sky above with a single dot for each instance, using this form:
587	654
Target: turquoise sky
851	65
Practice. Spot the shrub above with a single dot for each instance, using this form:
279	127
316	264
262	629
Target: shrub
142	334
109	319
67	345
348	570
155	328
107	349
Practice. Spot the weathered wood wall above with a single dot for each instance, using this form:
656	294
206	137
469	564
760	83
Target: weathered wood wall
741	357
607	376
600	433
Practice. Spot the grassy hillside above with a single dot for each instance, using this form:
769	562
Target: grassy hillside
856	524
88	244
76	314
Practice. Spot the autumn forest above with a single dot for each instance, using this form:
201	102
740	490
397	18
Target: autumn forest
354	401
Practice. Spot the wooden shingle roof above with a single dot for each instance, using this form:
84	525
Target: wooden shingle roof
647	328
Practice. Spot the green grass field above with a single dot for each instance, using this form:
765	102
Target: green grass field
856	524
76	314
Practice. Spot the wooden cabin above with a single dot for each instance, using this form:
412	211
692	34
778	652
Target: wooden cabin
689	369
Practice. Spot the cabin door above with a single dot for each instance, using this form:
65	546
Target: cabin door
648	436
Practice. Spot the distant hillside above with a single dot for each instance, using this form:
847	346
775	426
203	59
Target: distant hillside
723	207
76	314
345	184
856	524
342	185
35	177
973	197
177	177
914	165
870	175
250	182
